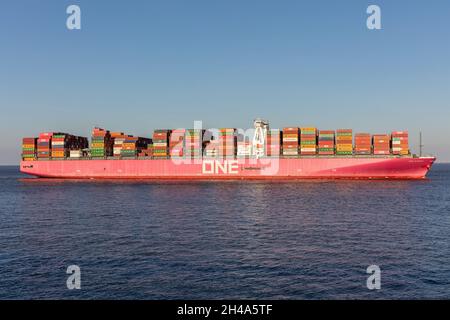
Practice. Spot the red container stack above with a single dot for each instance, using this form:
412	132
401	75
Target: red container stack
290	141
273	143
176	145
363	145
400	143
381	144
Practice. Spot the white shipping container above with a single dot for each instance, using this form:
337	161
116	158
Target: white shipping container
160	144
76	153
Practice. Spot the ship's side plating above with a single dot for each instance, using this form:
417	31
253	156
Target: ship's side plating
215	169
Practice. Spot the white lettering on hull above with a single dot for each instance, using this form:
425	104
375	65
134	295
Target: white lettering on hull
220	167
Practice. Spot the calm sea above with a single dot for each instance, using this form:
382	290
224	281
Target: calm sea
210	240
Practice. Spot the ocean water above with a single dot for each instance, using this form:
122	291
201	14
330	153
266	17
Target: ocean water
235	240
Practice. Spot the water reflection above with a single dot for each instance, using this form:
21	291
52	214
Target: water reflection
228	239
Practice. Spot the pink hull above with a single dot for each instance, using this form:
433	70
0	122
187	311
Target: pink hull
299	168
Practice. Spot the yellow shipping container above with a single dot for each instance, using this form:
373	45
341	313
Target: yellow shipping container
344	148
98	145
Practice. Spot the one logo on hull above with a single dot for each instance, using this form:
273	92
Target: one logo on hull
220	167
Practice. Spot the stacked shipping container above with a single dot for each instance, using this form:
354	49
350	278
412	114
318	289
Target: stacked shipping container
193	143
326	142
308	141
59	148
176	145
146	152
244	146
44	143
102	144
129	147
161	143
381	144
244	149
363	144
344	141
227	142
189	143
63	143
76	154
212	149
400	143
29	148
118	138
273	143
290	141
133	145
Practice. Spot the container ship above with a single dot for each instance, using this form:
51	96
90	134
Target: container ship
224	154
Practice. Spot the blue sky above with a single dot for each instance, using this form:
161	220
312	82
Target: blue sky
136	66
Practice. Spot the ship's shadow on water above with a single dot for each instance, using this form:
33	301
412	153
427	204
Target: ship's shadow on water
144	239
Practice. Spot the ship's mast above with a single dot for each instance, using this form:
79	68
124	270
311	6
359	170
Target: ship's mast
258	145
420	144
